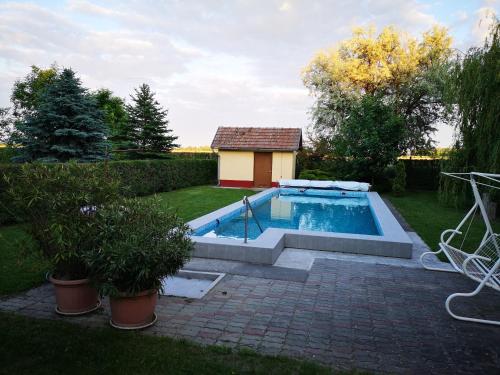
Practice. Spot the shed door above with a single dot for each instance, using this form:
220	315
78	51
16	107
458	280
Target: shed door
262	169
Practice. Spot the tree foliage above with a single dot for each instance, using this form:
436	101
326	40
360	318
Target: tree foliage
368	140
65	124
150	121
121	133
27	92
408	73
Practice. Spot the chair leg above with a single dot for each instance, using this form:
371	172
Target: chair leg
468	319
433	268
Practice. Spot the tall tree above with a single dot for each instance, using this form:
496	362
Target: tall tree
406	72
150	122
121	133
368	140
27	92
474	91
66	124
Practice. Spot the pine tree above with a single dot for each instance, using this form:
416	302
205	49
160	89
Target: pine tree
149	120
67	125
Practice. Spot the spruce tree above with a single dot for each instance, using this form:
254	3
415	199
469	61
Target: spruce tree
149	120
66	125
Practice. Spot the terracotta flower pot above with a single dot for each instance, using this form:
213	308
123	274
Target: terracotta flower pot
75	297
134	312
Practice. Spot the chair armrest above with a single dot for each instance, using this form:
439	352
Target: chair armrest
452	231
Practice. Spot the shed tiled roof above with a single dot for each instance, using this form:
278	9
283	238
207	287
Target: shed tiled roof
255	139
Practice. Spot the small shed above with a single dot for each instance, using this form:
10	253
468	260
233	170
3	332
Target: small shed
256	157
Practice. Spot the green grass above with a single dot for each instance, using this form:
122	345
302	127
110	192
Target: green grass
30	346
20	267
429	218
196	201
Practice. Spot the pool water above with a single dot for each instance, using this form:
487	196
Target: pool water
341	214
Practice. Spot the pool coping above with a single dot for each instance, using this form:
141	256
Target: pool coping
393	241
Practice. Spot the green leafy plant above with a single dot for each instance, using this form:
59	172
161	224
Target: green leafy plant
59	202
399	181
140	244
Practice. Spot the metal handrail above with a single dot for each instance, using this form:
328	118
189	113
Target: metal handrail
248	206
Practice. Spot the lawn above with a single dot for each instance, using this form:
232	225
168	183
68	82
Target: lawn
196	201
21	270
429	218
55	347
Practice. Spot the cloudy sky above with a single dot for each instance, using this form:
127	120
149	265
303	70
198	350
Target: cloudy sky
211	62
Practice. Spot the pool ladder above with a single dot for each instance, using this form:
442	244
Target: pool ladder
248	207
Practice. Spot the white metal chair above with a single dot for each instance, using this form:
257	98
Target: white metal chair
481	265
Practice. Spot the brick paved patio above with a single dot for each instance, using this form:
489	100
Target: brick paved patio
370	317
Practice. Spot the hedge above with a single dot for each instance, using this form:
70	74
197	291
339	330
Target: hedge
422	174
144	177
138	177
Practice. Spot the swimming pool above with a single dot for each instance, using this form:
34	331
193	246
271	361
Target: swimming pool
328	220
309	210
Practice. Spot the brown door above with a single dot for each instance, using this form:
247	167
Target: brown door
262	169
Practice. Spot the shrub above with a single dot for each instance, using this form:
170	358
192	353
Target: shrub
399	181
57	201
140	245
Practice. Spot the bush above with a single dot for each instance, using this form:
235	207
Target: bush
58	203
140	245
399	181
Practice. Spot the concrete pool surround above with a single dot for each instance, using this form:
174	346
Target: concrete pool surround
392	240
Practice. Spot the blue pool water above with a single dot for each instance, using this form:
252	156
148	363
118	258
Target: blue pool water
309	211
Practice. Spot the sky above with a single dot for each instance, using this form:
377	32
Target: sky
212	62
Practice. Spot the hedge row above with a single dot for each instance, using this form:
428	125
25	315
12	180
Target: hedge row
138	177
144	177
422	174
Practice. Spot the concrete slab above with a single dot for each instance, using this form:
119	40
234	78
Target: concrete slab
190	284
303	259
246	269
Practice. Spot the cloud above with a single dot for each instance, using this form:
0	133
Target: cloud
211	63
485	19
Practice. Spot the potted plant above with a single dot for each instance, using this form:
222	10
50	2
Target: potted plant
140	245
57	202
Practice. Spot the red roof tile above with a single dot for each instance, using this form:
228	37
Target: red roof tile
257	139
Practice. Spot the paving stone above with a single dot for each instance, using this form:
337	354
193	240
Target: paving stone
349	315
